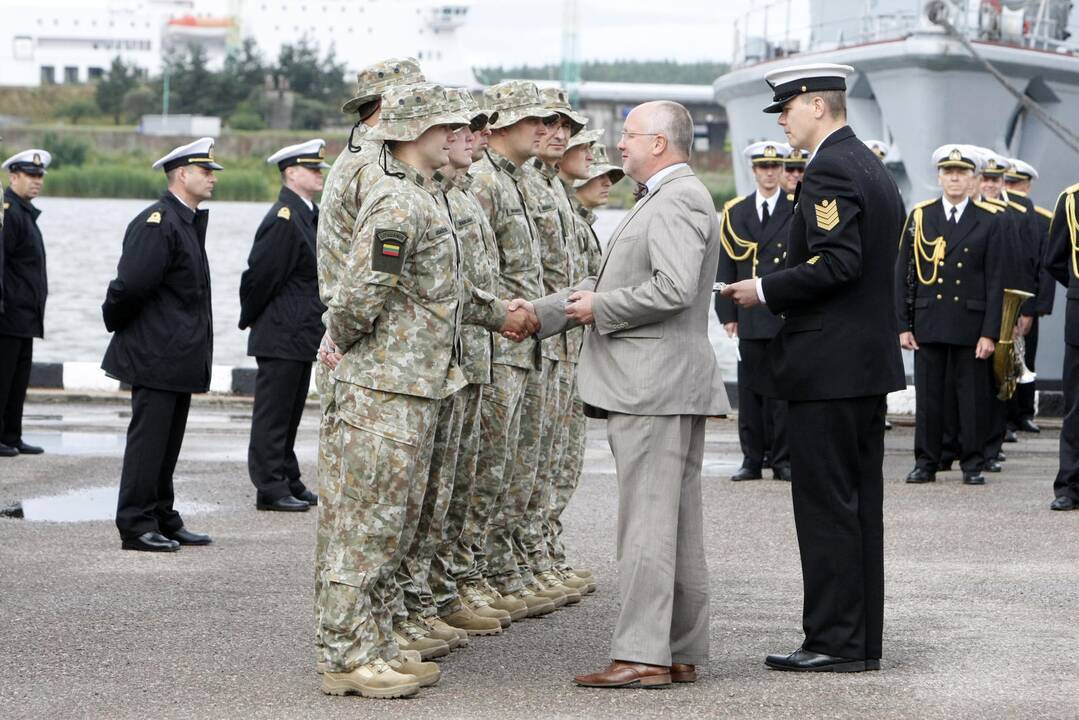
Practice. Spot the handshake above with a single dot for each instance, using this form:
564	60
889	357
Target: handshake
522	321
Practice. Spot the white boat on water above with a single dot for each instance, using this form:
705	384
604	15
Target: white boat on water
919	86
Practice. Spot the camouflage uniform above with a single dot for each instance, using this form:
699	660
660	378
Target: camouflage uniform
342	197
496	186
396	310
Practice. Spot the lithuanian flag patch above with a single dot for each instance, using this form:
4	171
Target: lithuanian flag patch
388	251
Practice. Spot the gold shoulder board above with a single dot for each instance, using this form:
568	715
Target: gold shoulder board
154	218
1073	188
925	203
732	202
1016	206
284	213
988	206
1043	212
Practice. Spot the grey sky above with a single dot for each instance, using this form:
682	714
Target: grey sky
515	32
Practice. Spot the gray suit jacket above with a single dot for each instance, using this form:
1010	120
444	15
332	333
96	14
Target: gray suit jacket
647	351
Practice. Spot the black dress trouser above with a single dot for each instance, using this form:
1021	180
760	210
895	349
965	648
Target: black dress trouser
16	359
949	383
154	437
762	421
837	456
1067	480
280	394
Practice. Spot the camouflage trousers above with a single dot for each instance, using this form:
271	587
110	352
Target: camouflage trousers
329	466
503	570
500	420
413	577
451	555
530	536
368	515
569	475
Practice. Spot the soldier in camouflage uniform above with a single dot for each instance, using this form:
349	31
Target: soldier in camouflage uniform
549	204
497	178
395	311
341	199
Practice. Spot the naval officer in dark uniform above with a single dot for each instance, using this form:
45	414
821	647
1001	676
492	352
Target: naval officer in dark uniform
754	234
1062	263
950	315
158	309
834	360
23	288
279	301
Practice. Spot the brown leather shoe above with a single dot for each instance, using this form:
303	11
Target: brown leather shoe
682	673
625	674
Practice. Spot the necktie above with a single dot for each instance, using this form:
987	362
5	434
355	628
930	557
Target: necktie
952	220
764	213
640	192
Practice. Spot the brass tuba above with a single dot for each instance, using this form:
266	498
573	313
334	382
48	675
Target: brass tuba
1009	368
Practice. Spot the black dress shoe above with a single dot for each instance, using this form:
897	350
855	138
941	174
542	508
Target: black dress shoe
8	451
745	473
25	449
993	466
1001	457
920	475
1028	425
944	466
150	542
973	478
1064	503
186	537
783	472
282	504
802	660
307	496
1010	436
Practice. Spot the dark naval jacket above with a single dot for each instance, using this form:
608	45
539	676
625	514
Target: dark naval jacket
839	337
1039	223
959	298
23	282
158	306
763	251
1062	259
1022	270
279	297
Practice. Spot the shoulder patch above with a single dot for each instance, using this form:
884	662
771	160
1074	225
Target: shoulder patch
7	205
1043	212
827	212
388	251
284	213
988	207
154	218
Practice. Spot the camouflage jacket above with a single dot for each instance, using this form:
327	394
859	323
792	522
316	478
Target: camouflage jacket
479	264
553	226
342	196
586	258
396	309
496	185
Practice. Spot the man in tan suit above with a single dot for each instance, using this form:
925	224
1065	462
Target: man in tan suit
648	366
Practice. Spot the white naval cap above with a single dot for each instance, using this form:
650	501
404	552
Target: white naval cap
790	82
311	154
794	157
31	162
766	152
957	155
879	148
993	163
1020	171
200	152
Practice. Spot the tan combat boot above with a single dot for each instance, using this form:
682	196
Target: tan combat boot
551	581
446	633
471	623
555	594
536	605
408	662
411	637
579	584
511	604
481	605
586	574
376	679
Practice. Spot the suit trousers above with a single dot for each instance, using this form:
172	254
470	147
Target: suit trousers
837	453
280	395
762	421
1067	480
947	375
663	577
154	437
16	358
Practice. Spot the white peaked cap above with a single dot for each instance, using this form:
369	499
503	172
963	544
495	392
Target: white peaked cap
310	154
33	161
200	152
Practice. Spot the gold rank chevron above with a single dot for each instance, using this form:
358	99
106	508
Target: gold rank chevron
827	214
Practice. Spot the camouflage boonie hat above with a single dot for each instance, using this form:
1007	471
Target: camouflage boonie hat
462	101
557	100
408	112
514	100
374	80
585	137
601	166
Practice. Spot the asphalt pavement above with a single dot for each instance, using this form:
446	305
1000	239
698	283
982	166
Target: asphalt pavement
982	595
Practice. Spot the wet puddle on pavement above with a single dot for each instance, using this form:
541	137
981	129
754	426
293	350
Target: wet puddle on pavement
78	443
93	503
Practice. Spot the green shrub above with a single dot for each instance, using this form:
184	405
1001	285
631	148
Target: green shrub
246	120
66	151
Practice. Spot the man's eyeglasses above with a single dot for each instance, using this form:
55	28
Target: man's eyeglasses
628	133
